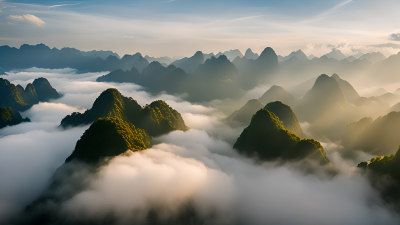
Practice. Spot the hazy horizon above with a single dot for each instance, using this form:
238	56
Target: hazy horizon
179	28
184	138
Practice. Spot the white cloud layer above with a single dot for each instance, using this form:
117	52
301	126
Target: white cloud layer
197	166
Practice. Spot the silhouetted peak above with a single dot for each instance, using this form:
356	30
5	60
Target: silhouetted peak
299	54
267	52
44	89
198	54
41	81
155	64
249	54
276	88
134	56
335	54
336	77
249	51
34	47
324	79
268	58
138	54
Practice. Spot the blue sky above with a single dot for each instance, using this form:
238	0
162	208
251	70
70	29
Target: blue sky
180	27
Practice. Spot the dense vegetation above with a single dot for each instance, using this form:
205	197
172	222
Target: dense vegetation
107	137
8	117
157	118
384	174
389	165
20	99
267	139
286	115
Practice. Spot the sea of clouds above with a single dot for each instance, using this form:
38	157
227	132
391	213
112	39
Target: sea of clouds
197	166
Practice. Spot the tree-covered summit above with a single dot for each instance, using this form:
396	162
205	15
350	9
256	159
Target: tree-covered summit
286	115
108	137
157	118
267	139
18	98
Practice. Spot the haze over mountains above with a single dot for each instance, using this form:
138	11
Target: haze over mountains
225	138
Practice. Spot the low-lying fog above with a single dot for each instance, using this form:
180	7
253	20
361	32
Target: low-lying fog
198	165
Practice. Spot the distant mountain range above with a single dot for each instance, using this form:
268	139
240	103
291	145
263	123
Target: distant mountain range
42	56
216	75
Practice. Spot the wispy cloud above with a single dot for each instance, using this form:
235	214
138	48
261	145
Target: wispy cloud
62	5
247	18
32	19
328	12
394	37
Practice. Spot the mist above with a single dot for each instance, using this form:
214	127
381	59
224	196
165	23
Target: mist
197	170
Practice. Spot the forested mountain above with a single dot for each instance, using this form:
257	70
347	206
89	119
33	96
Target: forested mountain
20	99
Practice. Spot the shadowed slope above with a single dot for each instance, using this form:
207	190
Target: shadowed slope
266	138
286	115
243	115
277	93
378	136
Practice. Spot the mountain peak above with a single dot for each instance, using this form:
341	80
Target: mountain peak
21	99
286	115
268	52
157	118
267	139
243	115
108	137
267	59
198	54
249	54
335	54
348	90
44	90
328	86
277	93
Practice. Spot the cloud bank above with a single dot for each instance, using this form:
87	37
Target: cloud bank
196	170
